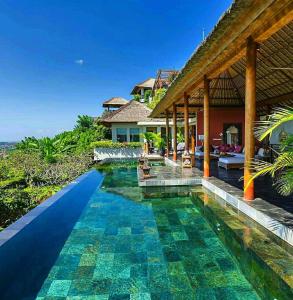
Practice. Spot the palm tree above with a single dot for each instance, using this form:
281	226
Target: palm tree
281	170
84	122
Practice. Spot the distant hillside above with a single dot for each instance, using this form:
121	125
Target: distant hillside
7	145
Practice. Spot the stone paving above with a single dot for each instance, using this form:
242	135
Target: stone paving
170	176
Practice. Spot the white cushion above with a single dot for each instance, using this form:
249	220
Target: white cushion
237	154
232	160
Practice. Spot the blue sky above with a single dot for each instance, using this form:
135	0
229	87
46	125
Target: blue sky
59	59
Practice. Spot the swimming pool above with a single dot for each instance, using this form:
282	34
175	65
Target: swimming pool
119	241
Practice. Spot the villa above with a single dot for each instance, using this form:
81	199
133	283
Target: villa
182	228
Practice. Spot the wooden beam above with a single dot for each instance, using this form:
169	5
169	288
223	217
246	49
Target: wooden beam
167	133
186	123
250	114
174	132
206	126
275	100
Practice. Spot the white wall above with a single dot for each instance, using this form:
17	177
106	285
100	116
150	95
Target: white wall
108	153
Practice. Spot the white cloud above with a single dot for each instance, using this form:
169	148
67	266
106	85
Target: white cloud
79	62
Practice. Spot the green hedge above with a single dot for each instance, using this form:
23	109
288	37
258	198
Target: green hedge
116	145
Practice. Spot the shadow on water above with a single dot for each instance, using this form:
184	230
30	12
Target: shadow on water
27	258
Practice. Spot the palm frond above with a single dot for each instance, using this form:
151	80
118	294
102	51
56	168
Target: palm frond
284	160
284	183
279	116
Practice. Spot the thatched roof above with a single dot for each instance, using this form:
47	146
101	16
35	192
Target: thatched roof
222	58
115	102
132	112
149	83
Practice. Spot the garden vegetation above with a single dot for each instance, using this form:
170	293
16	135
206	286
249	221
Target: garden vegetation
38	168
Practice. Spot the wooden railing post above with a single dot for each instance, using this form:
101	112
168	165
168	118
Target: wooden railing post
250	96
174	132
167	134
186	124
206	126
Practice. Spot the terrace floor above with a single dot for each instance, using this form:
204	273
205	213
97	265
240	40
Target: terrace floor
263	185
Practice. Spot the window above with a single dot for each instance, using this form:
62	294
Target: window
134	134
121	135
151	129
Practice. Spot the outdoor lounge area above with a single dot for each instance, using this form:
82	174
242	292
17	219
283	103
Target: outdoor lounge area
248	74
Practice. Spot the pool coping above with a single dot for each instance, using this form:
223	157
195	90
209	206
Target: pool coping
17	226
258	209
266	214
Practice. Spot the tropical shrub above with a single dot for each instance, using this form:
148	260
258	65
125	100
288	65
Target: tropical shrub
84	122
281	170
110	144
159	94
14	203
136	97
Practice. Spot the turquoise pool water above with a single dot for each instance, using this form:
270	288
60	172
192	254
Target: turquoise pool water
131	243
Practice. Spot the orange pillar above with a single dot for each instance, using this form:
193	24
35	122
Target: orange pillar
167	133
193	145
206	126
186	123
250	95
175	132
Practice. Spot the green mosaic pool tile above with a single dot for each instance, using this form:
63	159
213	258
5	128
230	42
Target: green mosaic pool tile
175	268
140	296
103	271
124	230
59	288
68	260
89	287
138	257
139	270
122	259
84	272
205	294
121	271
45	287
235	278
179	235
76	249
179	283
54	298
119	297
122	286
91	297
88	260
154	257
225	264
215	279
65	273
227	293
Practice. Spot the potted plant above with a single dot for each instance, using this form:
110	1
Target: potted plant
160	144
148	137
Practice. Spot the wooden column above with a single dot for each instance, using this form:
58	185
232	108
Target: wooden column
206	126
186	124
193	145
167	134
193	138
250	95
175	132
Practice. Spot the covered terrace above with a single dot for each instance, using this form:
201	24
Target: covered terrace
240	72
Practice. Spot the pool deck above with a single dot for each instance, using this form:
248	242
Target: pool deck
274	218
170	175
